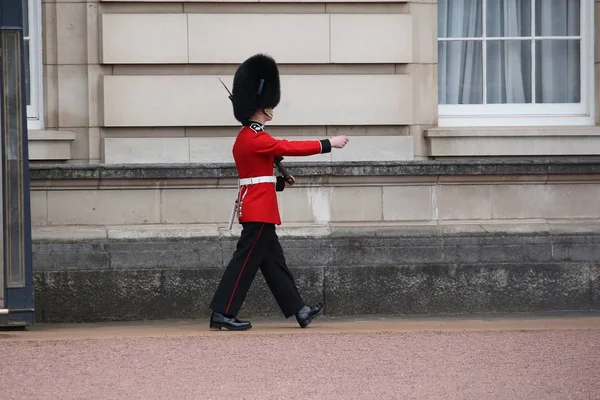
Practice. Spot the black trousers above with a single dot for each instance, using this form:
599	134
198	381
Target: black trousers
258	247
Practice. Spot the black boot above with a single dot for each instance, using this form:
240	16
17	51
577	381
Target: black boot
218	321
307	314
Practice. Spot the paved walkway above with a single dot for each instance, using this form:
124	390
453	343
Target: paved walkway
525	357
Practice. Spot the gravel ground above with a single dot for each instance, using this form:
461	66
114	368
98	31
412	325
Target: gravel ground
394	365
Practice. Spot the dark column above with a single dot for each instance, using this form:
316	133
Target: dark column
16	292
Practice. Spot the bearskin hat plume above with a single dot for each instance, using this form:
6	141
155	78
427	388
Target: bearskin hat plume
255	86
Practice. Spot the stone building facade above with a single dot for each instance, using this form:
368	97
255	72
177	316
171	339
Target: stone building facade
470	121
118	82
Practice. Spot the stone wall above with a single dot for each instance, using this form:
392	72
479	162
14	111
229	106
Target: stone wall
138	81
353	270
150	241
355	193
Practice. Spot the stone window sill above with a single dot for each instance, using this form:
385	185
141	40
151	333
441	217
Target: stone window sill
514	141
50	145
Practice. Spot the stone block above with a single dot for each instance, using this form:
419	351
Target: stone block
474	146
408	203
51	107
80	147
371	38
501	249
197	205
71	33
573	200
49	23
146	150
375	148
357	204
211	150
576	248
144	132
309	34
100	207
39	210
94	143
144	38
425	93
38	295
166	254
73	96
94	296
311	204
424	17
93	34
421	146
464	202
366	7
307	252
253	7
449	288
519	201
50	145
95	74
198	100
67	256
386	251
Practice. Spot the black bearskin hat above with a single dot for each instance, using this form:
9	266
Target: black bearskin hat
255	86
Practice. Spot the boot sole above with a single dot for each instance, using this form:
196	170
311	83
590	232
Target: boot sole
218	327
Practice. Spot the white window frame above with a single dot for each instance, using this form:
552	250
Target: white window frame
581	114
35	111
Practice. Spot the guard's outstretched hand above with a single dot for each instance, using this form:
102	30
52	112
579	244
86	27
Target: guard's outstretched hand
339	141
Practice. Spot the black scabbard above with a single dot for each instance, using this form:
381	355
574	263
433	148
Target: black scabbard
286	175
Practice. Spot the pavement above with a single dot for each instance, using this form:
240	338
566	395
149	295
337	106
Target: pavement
525	356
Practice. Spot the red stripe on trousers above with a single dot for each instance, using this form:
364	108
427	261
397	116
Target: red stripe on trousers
242	270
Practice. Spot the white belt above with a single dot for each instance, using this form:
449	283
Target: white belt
243	182
258	179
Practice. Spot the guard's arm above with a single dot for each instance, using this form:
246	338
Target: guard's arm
265	144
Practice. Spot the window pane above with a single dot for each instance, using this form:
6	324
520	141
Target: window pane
460	18
508	18
460	74
508	71
25	17
557	18
557	71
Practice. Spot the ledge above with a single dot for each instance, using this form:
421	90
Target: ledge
261	1
569	131
568	141
47	145
412	168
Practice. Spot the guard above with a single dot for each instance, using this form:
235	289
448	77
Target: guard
256	92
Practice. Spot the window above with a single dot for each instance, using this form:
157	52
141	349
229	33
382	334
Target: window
32	28
515	62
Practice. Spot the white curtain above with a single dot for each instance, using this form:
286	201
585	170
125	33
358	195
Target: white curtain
558	61
508	75
460	63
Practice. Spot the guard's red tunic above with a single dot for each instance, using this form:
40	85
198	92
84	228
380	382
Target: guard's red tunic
254	152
